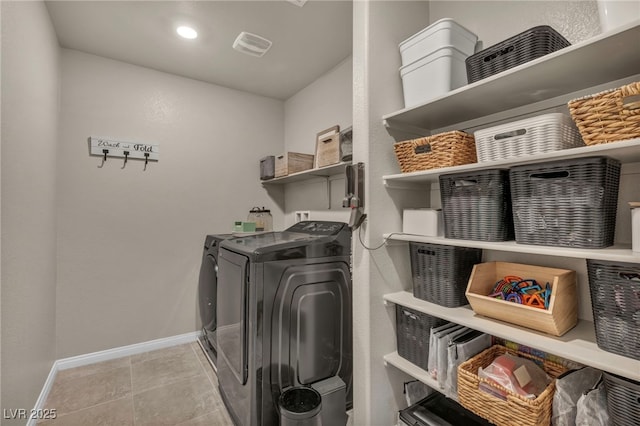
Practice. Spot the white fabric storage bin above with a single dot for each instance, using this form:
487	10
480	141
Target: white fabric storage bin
433	76
443	33
535	135
426	222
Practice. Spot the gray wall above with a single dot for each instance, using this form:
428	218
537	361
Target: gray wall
324	103
378	28
130	241
494	21
30	80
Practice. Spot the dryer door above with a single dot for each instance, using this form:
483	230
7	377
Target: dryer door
207	288
233	281
311	324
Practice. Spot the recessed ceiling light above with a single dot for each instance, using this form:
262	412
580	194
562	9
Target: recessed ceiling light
187	32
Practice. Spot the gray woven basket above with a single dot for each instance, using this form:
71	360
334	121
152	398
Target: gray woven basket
517	50
623	400
412	333
568	203
441	273
615	300
476	206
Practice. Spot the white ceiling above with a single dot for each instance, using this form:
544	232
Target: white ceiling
307	41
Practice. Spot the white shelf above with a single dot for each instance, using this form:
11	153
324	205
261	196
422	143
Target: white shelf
578	344
332	170
411	369
601	59
625	151
614	253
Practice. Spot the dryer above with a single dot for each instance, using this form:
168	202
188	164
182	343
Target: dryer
284	317
207	293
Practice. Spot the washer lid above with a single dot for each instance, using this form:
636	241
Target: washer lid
303	240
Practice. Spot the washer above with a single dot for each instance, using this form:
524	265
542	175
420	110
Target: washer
284	318
207	289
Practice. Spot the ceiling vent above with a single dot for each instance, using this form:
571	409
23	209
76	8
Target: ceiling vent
299	3
251	44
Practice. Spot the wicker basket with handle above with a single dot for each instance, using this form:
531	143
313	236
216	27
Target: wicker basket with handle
608	116
516	410
442	150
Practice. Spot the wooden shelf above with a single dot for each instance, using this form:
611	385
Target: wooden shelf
578	344
332	170
614	253
599	60
625	151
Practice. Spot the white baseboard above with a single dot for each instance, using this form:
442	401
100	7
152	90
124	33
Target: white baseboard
44	393
106	355
122	351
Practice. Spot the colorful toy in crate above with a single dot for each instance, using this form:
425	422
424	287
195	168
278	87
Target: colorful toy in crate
523	291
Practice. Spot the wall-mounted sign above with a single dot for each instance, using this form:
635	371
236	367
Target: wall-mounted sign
123	149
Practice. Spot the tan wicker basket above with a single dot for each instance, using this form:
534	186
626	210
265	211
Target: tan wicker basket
604	117
442	150
516	410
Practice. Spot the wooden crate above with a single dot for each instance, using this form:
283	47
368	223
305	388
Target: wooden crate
562	314
328	147
292	162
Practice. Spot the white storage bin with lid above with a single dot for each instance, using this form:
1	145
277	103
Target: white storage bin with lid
443	33
433	76
535	135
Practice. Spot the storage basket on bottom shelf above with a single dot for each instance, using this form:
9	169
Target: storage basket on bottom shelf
623	400
412	334
561	315
515	410
615	300
440	273
476	205
605	117
566	203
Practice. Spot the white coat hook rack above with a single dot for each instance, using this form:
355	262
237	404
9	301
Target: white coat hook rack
104	148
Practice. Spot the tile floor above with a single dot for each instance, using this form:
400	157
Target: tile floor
172	386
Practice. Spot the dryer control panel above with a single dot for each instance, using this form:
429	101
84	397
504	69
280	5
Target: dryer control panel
317	227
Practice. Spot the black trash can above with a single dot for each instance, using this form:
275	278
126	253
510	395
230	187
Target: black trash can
300	406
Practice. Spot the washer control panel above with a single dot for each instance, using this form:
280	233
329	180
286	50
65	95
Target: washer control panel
317	227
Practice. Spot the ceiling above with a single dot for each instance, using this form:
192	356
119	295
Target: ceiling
307	41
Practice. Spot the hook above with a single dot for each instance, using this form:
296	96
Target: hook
146	160
126	154
104	159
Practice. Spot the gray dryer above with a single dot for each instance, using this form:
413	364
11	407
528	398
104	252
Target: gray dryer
284	318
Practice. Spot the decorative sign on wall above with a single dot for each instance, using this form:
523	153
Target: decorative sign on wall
112	148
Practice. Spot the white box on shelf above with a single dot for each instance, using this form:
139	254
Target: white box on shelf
443	33
434	75
426	222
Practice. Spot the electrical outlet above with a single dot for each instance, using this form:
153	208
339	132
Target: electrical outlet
302	215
